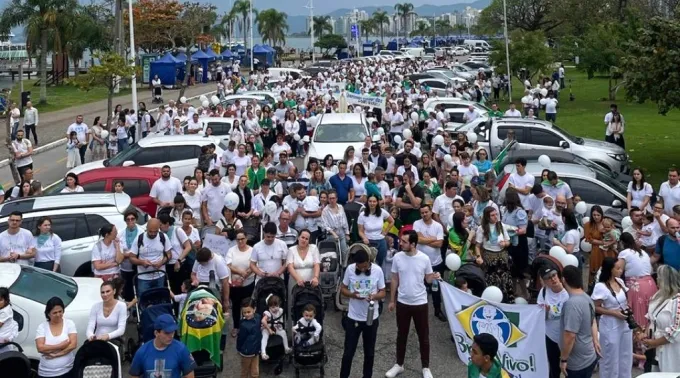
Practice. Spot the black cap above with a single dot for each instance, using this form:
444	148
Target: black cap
547	273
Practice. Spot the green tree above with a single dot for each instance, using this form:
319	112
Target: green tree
84	30
321	24
422	29
380	18
528	50
330	41
527	15
107	74
367	27
242	9
403	10
41	19
647	64
600	51
272	26
442	27
225	28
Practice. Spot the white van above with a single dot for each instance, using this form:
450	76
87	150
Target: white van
477	43
281	73
413	51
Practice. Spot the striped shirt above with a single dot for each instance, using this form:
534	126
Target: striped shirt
289	237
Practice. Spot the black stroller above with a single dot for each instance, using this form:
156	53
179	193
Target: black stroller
98	359
474	275
342	303
157	95
151	304
13	363
314	356
541	263
329	276
264	287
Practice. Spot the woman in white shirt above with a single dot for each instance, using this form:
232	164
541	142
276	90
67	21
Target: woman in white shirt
56	340
571	240
241	161
9	329
616	338
192	197
236	134
231	179
107	254
48	246
242	280
350	158
372	229
359	179
108	318
72	184
638	273
303	262
492	243
328	165
663	332
639	192
189	230
280	146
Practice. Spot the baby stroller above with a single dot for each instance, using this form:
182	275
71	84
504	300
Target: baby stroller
157	95
541	263
13	363
252	227
329	252
263	288
98	359
474	275
200	329
150	304
314	356
349	259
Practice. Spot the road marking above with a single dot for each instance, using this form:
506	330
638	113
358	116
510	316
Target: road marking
37	170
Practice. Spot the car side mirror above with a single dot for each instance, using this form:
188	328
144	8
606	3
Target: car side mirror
128	163
616	203
564	144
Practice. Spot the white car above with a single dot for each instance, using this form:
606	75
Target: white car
30	288
335	132
453	103
220	126
460	51
180	152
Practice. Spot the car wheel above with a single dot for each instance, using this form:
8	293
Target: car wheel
84	270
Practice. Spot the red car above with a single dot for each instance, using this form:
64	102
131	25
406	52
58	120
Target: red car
137	182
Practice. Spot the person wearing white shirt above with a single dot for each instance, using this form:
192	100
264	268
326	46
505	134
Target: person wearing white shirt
513	112
442	208
16	243
411	269
108	318
522	182
23	150
150	252
207	262
107	254
212	198
269	255
550	104
471	114
396	122
552	298
194	125
83	135
164	190
430	241
163	121
56	340
614	109
48	246
670	191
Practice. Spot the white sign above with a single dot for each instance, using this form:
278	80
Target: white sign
216	244
366	100
519	329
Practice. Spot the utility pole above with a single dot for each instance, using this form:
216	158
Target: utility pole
507	48
252	55
134	76
311	22
119	45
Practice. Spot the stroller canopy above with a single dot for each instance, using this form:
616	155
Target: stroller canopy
474	275
13	363
100	357
200	324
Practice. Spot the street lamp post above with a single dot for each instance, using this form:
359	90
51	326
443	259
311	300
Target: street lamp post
132	56
252	55
311	22
507	48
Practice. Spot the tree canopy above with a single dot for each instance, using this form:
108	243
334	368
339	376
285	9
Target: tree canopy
528	50
330	41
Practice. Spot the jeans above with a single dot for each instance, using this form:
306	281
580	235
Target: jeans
144	285
47	265
553	350
583	373
552	117
381	246
122	144
354	329
419	314
28	129
82	150
15	128
436	295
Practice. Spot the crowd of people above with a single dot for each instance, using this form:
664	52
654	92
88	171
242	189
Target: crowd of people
423	194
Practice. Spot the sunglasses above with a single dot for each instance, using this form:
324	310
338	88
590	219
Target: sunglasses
130	219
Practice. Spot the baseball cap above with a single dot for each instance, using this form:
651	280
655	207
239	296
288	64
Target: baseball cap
165	323
547	273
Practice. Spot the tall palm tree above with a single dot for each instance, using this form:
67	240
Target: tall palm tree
242	9
321	24
225	28
41	19
80	33
272	26
403	10
367	27
380	18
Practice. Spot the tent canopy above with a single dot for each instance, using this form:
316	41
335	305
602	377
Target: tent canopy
167	59
259	49
227	54
181	57
200	55
209	52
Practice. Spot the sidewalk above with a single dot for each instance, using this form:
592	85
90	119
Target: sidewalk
53	125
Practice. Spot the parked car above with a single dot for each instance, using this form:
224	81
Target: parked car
453	73
334	133
269	96
446	75
454	103
136	180
221	127
76	218
476	66
437	86
454	118
538	134
248	98
460	51
30	288
179	152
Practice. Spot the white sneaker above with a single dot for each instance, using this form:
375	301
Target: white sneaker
427	373
396	370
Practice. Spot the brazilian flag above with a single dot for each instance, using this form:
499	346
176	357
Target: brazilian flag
201	324
496	163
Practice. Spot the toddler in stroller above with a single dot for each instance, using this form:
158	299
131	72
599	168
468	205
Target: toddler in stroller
272	324
309	350
307	330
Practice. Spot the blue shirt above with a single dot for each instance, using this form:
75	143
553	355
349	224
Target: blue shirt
175	361
342	187
670	251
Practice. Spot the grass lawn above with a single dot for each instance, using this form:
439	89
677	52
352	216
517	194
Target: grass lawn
649	136
63	96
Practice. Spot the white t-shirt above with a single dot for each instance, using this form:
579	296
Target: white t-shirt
637	196
670	195
373	224
550	105
22	147
10	328
467	173
269	258
359	187
304	268
177	240
494	240
166	190
242	163
55	367
637	264
277	149
395	120
194	126
102	252
513	113
216	263
152	250
443	206
214	196
81	131
50	251
114	325
411	271
435	230
555	301
17	243
602	292
194	203
240	260
572	237
401	170
365	285
523	182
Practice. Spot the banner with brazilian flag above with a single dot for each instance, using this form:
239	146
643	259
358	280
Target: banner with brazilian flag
496	163
201	323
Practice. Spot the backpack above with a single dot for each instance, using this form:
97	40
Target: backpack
152	121
140	240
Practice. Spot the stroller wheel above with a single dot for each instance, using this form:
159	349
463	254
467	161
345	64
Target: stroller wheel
321	372
279	368
297	373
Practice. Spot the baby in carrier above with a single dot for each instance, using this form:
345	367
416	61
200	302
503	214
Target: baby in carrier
307	330
272	323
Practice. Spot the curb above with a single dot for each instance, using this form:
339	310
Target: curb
61	142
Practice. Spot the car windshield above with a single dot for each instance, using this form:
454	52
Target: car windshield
55	188
618	186
40	285
119	159
575	139
347	133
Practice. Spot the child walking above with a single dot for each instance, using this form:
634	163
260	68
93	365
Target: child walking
249	339
72	152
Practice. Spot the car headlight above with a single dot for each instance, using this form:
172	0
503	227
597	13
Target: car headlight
618	157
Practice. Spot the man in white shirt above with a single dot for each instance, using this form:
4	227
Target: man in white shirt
31	120
162	121
442	208
194	125
550	104
83	135
212	198
430	241
467	170
268	258
207	261
364	284
471	114
396	122
408	295
522	182
152	250
670	192
17	245
23	150
552	297
164	190
513	112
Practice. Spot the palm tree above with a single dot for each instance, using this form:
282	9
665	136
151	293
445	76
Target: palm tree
403	10
225	28
442	27
380	18
242	9
80	33
321	24
272	26
422	29
367	27
41	19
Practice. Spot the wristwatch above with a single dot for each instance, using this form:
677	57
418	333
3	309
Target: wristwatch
563	361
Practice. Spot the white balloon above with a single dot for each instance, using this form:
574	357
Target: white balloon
472	137
557	252
205	104
453	262
296	137
231	201
203	98
215	100
328	174
312	121
407	134
414	116
581	207
492	294
585	246
270	209
448	158
626	222
580	231
201	132
183	100
520	300
567	260
544	161
16	113
104	134
397	139
305	138
585	220
438	140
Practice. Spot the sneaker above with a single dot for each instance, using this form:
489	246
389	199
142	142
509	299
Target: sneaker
441	316
427	373
396	370
264	356
289	350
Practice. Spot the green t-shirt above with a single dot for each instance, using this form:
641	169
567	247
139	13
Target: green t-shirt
267	124
495	114
290	103
496	371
